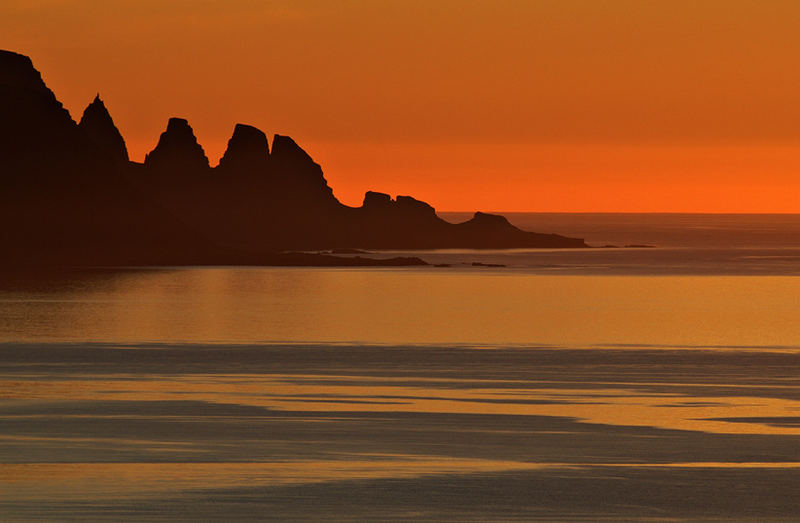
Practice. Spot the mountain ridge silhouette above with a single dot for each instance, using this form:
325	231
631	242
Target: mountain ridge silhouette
70	195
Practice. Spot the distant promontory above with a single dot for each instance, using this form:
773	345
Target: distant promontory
69	195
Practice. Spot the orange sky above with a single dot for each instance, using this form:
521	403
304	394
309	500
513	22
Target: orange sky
504	105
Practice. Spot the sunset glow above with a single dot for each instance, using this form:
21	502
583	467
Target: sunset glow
564	105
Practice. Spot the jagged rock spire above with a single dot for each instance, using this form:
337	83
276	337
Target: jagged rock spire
98	125
177	148
247	149
298	172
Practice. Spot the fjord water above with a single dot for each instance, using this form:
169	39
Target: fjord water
626	383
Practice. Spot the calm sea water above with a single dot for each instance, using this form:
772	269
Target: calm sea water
597	384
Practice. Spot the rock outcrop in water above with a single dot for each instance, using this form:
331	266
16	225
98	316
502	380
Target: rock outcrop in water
70	195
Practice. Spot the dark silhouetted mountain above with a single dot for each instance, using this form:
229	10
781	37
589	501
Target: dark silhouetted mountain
33	124
408	223
298	176
247	150
177	149
377	202
494	231
69	195
98	125
63	199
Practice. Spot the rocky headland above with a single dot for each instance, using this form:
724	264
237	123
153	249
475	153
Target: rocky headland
69	195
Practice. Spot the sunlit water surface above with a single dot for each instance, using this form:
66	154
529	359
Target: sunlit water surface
632	384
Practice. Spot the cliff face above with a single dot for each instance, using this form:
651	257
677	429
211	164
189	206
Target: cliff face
37	135
69	189
177	150
407	223
97	124
247	151
63	199
298	177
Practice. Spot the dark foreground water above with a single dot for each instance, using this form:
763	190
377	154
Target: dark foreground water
658	385
393	433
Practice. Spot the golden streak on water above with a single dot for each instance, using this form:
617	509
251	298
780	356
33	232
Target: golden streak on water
603	405
407	307
92	481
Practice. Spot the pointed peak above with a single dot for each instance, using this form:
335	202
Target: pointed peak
247	148
99	127
177	147
96	110
96	106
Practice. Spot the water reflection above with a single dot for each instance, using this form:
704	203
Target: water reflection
408	306
466	392
68	481
676	409
151	431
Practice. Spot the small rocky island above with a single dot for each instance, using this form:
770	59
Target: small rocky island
69	195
